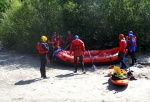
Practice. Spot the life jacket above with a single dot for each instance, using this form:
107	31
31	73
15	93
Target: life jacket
134	37
129	42
52	41
59	43
77	46
122	45
40	49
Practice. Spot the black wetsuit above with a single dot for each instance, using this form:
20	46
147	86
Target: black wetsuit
43	58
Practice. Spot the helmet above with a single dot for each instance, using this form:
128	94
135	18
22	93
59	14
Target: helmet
54	32
131	35
130	32
44	38
121	36
76	37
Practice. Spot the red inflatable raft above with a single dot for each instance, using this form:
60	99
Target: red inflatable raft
109	56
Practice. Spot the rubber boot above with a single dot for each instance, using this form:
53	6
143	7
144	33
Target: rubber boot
75	66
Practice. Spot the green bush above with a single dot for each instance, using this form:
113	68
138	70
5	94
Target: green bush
97	22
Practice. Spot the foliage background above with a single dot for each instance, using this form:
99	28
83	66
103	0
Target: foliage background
97	22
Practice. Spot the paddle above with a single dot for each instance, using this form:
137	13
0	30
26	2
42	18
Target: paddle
94	68
67	46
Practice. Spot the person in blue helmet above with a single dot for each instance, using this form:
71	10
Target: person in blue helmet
78	47
131	46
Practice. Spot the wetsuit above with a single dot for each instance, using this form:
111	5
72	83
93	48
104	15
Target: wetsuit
43	58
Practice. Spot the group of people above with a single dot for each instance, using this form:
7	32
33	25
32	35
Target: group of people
77	46
46	50
127	46
56	41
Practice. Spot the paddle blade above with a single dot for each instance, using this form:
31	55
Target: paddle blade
94	68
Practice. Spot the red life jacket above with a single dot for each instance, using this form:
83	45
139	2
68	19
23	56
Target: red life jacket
122	45
77	46
40	49
134	37
129	42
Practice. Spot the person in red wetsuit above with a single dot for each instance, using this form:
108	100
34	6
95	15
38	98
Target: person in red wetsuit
122	50
77	46
52	44
59	41
69	39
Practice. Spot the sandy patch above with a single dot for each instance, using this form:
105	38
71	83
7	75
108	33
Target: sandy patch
20	82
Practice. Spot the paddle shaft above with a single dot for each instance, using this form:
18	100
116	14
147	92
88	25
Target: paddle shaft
67	46
90	57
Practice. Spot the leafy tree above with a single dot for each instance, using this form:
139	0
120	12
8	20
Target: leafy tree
97	22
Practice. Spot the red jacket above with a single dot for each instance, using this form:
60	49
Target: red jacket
52	40
59	42
77	46
122	45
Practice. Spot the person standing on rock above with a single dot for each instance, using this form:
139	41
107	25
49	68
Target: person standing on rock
78	47
43	49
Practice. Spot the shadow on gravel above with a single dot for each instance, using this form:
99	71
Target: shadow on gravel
25	82
116	88
65	75
68	75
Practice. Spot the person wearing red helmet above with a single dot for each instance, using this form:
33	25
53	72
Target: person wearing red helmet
77	46
122	50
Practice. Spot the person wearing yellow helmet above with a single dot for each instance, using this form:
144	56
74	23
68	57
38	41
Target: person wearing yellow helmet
43	49
44	38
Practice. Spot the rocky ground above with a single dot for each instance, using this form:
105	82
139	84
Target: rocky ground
20	82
